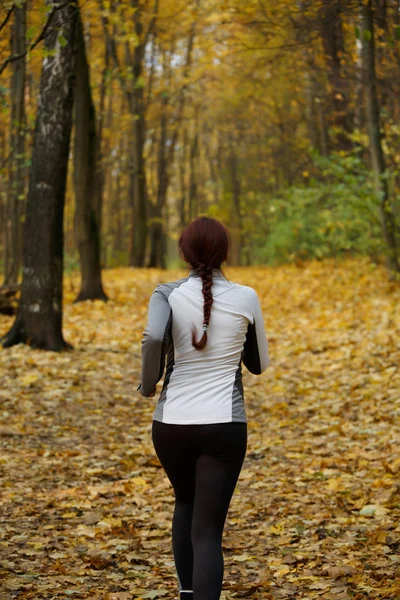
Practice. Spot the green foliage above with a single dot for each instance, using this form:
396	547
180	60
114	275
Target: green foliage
334	216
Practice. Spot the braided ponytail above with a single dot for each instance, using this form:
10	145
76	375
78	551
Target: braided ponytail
206	278
204	245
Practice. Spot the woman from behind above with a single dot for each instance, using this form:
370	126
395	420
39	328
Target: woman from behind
204	327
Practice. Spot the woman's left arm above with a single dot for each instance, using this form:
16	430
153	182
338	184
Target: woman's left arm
154	343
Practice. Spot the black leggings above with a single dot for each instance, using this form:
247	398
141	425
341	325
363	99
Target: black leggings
203	463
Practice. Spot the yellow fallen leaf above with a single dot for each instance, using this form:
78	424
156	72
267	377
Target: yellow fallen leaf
335	484
277	529
29	380
138	481
242	558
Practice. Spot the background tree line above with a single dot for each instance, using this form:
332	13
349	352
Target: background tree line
281	119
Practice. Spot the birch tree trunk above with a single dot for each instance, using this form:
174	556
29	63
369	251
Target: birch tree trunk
39	318
16	193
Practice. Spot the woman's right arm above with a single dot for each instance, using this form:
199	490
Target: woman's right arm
154	343
255	350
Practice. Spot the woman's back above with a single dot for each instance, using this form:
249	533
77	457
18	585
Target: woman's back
202	387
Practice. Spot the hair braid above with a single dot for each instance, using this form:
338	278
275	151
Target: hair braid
206	278
203	245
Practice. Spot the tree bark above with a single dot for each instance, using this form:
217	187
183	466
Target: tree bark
310	95
331	29
182	180
3	196
194	151
375	138
87	220
15	201
39	318
236	211
157	235
100	152
359	86
138	240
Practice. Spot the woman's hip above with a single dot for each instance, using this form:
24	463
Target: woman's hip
226	441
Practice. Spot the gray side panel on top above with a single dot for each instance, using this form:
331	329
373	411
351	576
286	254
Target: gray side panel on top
238	408
167	289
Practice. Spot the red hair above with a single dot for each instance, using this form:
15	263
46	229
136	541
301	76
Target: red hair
204	245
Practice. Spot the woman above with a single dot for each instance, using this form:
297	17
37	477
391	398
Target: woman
199	428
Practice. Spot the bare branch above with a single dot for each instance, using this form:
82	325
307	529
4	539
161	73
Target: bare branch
8	15
152	22
112	49
39	38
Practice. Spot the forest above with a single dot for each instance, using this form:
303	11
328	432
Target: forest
281	119
120	122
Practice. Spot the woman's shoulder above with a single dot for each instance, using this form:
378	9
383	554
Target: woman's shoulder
168	287
245	290
240	294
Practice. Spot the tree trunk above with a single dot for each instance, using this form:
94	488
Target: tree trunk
182	181
138	190
236	212
3	198
39	318
16	193
194	149
118	241
310	95
157	235
108	166
359	85
375	137
85	173
331	29
324	141
138	176
100	151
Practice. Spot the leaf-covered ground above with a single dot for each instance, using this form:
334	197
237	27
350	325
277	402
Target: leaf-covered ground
86	509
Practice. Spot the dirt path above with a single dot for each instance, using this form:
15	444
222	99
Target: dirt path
85	509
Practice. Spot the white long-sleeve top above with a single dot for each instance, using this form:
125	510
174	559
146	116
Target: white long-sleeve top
202	386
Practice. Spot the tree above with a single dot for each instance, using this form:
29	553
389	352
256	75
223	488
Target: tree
373	115
16	191
167	145
132	83
39	318
87	217
331	31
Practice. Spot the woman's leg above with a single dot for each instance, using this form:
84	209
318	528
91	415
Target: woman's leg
182	547
174	449
217	472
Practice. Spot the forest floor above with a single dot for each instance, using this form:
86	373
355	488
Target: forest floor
86	509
